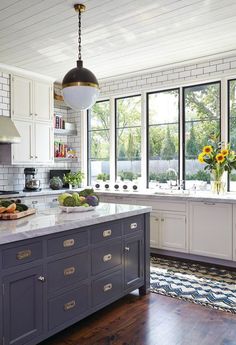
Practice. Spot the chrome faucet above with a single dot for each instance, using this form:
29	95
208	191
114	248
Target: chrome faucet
176	176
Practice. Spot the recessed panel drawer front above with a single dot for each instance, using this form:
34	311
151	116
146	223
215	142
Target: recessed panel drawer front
67	306
133	224
106	232
64	272
22	254
68	242
106	257
106	288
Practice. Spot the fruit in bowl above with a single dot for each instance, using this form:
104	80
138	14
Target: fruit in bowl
85	198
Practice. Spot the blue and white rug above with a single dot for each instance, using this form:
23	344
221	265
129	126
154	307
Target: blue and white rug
199	284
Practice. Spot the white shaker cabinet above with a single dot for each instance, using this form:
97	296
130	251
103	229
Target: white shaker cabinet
21	97
211	229
43	140
173	234
154	230
23	152
42	101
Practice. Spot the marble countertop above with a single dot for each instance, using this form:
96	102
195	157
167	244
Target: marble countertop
229	197
49	219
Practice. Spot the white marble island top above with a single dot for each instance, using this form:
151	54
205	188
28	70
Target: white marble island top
51	220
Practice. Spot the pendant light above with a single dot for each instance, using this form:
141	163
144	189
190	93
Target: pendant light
80	87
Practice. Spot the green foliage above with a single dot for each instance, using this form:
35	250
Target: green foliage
192	147
168	150
200	175
74	178
103	177
127	175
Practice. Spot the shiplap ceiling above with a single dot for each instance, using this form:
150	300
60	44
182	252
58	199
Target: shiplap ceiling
118	36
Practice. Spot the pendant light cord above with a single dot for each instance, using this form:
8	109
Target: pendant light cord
79	35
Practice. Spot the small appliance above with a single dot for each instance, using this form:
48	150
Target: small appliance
31	184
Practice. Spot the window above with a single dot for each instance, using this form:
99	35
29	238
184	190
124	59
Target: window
128	137
98	141
201	121
232	126
163	134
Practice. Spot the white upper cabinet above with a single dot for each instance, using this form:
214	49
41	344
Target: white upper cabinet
43	143
211	228
21	97
42	101
23	152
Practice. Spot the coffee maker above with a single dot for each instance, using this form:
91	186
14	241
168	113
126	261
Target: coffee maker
31	184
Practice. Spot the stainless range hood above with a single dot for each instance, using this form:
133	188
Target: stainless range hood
8	132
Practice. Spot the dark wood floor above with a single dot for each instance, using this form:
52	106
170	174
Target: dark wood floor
151	320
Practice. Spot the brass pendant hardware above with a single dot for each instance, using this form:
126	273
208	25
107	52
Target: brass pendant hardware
41	279
107	257
69	271
24	254
69	243
79	7
133	226
69	305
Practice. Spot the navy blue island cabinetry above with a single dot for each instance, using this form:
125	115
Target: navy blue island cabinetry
51	281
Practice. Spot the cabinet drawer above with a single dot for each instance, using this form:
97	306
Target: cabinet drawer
64	272
105	232
133	224
106	257
22	254
66	243
68	306
107	288
164	205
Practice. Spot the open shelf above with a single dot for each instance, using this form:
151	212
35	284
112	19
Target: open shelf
65	132
63	159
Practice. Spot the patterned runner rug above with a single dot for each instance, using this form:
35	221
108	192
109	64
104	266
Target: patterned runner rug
196	283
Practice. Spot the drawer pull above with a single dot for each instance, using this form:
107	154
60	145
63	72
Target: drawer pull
107	233
34	202
107	287
24	254
133	226
41	279
127	249
69	243
209	203
69	271
107	257
69	305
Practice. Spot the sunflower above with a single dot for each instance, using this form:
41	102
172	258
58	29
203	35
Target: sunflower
225	152
201	157
207	149
220	158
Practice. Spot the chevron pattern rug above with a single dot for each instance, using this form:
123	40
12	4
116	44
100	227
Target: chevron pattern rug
199	284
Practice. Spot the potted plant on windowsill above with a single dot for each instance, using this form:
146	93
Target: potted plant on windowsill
74	179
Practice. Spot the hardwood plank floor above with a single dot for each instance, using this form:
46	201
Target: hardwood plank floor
151	320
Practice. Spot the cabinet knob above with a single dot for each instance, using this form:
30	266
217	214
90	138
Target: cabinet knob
36	157
156	219
41	279
36	114
31	157
162	219
31	114
127	249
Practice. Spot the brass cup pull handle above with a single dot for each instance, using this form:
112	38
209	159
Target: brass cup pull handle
23	254
69	271
127	249
69	305
107	287
42	279
69	243
107	257
133	226
107	233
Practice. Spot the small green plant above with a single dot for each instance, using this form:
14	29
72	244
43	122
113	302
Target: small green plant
127	175
73	178
103	176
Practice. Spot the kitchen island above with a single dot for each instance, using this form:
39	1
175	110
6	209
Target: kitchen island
57	268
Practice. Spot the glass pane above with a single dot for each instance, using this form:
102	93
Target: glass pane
232	127
202	120
99	142
163	116
128	138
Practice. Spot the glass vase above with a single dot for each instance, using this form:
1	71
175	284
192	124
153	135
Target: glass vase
217	183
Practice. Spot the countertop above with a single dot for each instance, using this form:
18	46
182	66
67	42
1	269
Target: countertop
151	194
49	219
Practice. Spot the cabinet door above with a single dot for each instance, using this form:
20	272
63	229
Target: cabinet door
43	143
173	232
24	152
21	97
42	101
154	230
22	306
211	229
234	232
133	261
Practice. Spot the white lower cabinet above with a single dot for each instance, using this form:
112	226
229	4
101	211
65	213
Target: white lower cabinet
154	230
173	234
211	227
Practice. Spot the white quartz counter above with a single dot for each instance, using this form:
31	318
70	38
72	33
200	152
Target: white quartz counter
50	220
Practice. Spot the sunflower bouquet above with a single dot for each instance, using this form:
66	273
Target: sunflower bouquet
218	158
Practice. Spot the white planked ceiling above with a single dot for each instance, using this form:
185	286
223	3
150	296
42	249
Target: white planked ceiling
117	36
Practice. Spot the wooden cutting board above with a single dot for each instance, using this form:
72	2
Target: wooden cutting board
12	216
